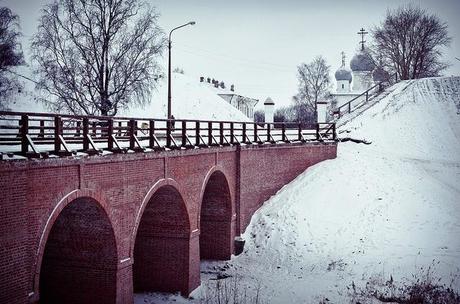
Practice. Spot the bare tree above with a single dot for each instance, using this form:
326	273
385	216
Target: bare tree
10	55
410	42
97	56
314	82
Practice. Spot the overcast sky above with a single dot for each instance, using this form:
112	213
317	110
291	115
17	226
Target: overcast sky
257	45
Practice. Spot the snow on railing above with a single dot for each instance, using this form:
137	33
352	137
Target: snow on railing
37	135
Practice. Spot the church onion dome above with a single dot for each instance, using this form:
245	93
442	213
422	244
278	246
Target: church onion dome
379	74
362	62
343	74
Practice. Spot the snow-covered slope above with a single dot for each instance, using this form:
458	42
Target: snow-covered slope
386	210
190	99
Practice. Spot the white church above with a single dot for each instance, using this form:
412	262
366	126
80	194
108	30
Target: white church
361	75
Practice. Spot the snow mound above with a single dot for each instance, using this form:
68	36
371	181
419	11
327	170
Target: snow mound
387	209
190	100
421	118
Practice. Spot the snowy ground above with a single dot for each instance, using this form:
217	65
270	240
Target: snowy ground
387	210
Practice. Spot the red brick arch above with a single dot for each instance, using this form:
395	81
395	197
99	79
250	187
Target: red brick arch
215	216
96	196
211	171
157	185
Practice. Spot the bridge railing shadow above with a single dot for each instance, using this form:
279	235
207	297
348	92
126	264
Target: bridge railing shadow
45	135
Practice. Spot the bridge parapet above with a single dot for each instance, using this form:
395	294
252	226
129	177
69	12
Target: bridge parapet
39	135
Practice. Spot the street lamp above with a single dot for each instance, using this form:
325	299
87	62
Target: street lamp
169	65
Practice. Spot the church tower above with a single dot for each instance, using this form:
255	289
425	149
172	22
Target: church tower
343	77
362	66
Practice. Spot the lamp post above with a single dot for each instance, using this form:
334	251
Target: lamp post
169	65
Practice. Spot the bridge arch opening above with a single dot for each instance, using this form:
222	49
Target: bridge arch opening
216	226
162	244
79	263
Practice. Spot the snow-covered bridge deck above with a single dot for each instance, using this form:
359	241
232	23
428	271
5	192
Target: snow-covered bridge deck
41	134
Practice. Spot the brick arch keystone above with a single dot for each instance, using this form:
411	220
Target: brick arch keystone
97	195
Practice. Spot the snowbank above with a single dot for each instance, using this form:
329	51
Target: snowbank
387	210
190	99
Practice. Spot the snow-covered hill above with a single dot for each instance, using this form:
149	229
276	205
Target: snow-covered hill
190	99
389	210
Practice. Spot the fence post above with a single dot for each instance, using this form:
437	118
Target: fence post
283	132
231	132
85	134
151	134
268	131
349	107
184	133
57	132
77	134
367	96
109	134
255	132
197	133
24	132
42	129
131	133
317	131
210	133
299	134
244	133
168	133
334	135
221	132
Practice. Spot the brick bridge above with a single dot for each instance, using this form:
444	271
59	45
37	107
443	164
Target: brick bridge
95	229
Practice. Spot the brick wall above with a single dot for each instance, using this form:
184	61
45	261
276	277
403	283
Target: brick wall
164	190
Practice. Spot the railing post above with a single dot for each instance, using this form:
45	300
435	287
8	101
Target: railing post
57	132
24	132
231	132
244	133
85	134
197	133
349	107
221	133
184	133
334	135
151	134
94	124
77	134
109	134
42	129
299	134
131	133
317	131
168	133
367	96
255	132
283	132
209	133
268	131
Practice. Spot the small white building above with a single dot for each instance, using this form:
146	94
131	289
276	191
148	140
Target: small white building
243	103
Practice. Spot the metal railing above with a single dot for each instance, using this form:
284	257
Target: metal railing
347	107
42	134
